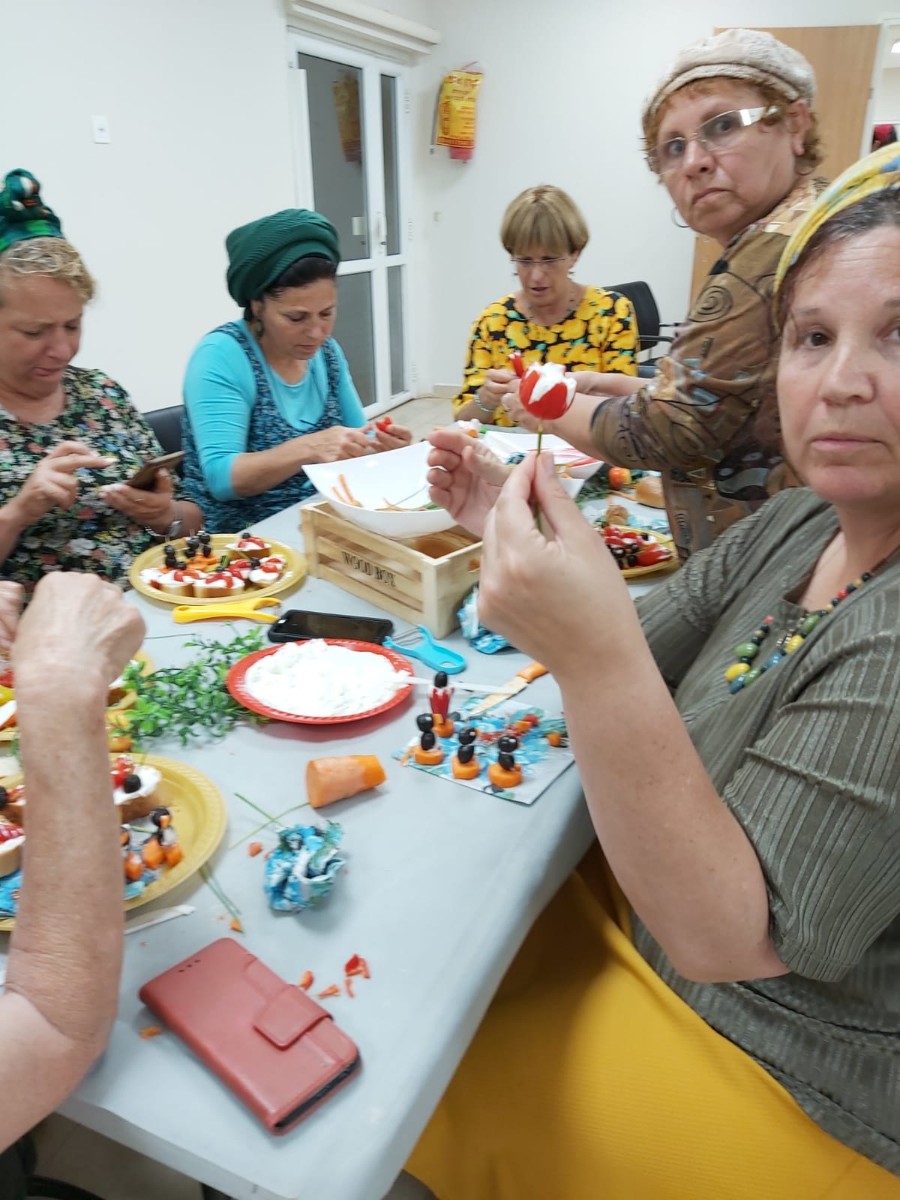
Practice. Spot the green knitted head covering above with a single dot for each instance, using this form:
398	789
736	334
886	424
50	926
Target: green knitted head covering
260	251
23	214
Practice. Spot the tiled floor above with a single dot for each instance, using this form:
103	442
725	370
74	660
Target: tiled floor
69	1152
423	414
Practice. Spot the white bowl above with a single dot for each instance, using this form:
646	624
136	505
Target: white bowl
377	480
506	443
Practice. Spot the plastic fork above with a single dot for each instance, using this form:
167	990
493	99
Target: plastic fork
418	643
249	608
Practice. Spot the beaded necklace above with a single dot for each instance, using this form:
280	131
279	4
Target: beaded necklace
742	673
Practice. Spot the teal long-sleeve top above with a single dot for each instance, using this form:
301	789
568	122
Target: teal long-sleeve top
220	391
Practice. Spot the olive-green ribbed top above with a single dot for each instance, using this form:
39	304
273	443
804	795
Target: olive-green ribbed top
808	759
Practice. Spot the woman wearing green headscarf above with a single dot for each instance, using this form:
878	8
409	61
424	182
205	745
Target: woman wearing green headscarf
69	437
269	394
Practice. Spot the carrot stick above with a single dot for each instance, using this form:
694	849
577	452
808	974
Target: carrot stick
330	779
350	498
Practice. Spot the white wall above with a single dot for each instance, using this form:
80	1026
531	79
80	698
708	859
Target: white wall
886	108
560	103
195	92
196	95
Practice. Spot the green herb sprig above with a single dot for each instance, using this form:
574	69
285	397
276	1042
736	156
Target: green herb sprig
190	703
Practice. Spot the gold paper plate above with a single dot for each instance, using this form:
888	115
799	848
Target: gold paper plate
198	816
294	572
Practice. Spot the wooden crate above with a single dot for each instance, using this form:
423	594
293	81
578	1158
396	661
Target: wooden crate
423	579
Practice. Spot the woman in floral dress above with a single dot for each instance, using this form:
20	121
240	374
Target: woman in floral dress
69	437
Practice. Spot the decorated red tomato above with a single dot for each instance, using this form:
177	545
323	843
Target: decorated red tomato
634	547
547	391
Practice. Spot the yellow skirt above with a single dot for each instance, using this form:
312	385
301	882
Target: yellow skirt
589	1079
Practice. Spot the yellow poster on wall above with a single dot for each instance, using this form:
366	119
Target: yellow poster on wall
455	118
345	90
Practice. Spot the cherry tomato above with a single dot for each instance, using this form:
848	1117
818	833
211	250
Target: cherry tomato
619	477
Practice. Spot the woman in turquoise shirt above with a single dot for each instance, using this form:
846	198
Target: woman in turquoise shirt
270	393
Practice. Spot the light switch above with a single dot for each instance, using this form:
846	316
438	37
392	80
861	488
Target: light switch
101	129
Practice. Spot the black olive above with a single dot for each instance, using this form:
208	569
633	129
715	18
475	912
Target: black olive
440	680
507	743
427	740
4	797
467	735
506	761
131	783
466	753
425	722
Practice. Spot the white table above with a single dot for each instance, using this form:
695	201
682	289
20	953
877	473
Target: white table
442	885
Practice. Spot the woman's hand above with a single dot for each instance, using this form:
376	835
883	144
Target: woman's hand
465	477
388	436
76	624
517	411
53	482
497	383
154	509
335	443
542	590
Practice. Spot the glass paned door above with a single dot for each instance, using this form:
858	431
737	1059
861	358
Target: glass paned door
350	143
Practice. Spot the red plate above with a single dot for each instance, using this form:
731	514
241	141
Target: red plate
234	681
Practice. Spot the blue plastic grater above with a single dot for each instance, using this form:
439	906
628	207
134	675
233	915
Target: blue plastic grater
418	643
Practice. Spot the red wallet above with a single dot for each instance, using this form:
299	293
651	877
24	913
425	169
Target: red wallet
273	1045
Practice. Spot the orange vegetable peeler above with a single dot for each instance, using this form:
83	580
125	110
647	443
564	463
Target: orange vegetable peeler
249	608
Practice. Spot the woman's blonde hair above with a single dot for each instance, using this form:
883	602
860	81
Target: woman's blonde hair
52	257
543	218
812	147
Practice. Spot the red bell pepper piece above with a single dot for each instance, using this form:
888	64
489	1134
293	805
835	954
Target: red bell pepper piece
357	966
383	424
517	363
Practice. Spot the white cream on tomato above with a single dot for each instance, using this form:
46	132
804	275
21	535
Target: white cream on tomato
268	570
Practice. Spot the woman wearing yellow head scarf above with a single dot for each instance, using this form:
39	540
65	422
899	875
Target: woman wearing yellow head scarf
708	1009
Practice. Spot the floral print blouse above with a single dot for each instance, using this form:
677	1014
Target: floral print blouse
601	334
89	536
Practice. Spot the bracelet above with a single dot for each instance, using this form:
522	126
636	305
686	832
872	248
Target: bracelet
487	410
175	528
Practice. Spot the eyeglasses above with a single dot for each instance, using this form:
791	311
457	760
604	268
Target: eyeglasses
715	135
528	264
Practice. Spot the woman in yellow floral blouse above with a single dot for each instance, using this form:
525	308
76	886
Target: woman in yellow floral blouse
550	318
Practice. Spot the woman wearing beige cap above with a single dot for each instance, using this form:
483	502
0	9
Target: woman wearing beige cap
731	133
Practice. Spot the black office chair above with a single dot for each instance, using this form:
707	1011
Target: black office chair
40	1188
166	424
649	327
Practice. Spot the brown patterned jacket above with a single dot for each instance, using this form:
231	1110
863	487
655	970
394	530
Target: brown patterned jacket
708	420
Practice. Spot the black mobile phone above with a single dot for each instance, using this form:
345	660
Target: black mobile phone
298	624
144	476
